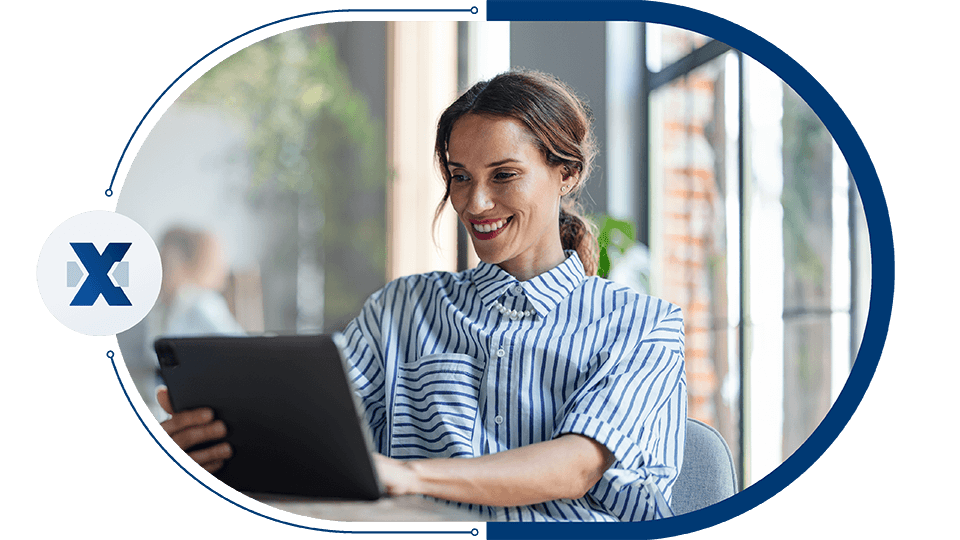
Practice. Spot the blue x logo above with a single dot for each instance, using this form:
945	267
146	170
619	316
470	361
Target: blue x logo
98	282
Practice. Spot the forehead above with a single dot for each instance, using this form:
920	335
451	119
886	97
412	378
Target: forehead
486	139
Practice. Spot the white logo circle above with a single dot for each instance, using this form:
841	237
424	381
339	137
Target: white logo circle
99	273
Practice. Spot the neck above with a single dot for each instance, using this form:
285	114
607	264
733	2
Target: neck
527	269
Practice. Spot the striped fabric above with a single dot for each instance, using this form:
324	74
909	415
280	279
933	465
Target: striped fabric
442	374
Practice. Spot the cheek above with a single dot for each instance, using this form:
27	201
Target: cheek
459	202
523	198
534	203
456	200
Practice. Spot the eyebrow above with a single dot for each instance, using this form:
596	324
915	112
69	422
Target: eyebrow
489	165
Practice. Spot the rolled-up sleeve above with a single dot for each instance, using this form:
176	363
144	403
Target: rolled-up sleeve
636	406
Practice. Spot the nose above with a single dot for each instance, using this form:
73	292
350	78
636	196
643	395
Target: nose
478	199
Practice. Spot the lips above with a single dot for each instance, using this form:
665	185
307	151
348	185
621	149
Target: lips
488	229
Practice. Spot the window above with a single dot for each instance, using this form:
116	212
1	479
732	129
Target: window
694	228
756	231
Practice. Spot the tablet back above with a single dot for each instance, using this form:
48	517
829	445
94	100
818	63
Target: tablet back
289	409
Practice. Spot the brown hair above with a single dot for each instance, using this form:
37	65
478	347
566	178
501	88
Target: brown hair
560	123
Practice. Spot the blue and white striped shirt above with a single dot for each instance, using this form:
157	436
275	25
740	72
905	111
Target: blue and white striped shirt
441	374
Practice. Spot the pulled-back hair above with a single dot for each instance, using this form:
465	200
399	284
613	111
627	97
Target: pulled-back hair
561	126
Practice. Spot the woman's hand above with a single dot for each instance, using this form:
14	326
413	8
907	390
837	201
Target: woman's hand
397	477
197	426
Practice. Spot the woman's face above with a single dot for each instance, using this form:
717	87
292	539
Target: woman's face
506	194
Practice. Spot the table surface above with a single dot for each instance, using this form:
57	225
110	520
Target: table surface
406	508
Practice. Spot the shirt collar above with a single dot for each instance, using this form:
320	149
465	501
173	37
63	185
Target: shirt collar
544	291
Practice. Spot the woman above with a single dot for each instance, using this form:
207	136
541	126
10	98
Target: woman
525	388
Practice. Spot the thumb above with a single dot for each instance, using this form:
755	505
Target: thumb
163	397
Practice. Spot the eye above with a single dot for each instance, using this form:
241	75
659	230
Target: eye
458	178
504	176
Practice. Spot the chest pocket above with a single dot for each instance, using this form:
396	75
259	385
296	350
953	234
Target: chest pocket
435	406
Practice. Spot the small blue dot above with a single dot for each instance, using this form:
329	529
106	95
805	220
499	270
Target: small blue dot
110	355
474	531
108	192
474	10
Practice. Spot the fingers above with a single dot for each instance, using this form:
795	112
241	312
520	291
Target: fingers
199	434
396	476
213	467
212	458
183	419
193	427
385	472
186	420
163	398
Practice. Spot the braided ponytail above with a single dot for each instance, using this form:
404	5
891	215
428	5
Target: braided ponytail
579	234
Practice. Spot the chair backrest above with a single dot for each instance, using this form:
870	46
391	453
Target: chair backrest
708	474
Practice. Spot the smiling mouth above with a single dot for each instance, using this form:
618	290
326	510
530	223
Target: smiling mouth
486	231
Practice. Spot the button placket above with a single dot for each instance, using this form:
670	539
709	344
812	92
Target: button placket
501	372
494	400
499	385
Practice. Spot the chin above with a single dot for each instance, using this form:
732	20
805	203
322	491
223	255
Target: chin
489	256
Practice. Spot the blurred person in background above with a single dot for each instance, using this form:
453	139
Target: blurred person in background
191	292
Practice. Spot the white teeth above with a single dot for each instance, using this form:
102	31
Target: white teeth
489	227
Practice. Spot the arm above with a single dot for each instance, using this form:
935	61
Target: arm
562	468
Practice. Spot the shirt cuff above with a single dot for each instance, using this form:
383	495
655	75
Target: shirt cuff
627	452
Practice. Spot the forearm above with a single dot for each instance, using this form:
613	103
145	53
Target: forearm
562	468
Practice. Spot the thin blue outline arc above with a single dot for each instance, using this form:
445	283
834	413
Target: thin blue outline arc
875	210
110	355
109	191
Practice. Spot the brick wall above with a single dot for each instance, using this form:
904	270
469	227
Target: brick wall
693	228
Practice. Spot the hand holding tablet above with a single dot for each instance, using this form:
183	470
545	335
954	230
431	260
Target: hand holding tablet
195	428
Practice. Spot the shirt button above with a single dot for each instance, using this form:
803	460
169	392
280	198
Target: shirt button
501	352
518	289
498	419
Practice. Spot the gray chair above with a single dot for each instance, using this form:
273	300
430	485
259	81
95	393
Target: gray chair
708	475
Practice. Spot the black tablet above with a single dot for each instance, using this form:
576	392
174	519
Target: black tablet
289	408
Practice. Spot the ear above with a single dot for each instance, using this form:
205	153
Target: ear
569	177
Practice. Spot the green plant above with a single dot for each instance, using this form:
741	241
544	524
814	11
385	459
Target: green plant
615	234
310	133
